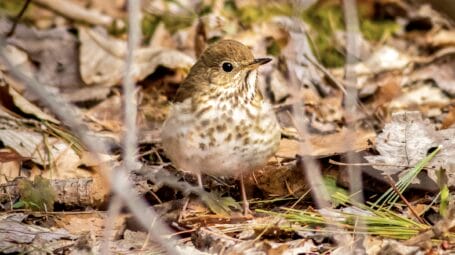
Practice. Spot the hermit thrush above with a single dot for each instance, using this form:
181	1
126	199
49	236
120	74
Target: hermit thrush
220	123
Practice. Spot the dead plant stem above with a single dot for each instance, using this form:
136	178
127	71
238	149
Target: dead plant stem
411	208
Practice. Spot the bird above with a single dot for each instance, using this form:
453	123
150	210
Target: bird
219	123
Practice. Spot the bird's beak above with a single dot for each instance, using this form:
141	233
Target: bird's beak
258	62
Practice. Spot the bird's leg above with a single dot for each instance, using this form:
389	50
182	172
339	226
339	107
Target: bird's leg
199	180
246	207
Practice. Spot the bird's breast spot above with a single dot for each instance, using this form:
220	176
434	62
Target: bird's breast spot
204	122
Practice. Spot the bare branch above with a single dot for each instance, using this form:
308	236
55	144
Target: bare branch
350	101
129	115
129	99
352	55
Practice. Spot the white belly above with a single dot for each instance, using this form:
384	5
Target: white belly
220	142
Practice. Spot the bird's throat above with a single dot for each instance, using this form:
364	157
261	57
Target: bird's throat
250	84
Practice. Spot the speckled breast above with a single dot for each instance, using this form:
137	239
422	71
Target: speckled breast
220	138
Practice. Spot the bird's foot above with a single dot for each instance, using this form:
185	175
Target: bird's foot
247	213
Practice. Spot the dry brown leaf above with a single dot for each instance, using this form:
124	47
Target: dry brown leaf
86	94
277	85
45	150
7	155
408	139
330	144
19	59
298	52
10	165
91	159
178	7
256	38
17	237
442	72
102	59
29	108
374	246
385	58
42	150
418	96
388	88
52	51
278	181
449	119
301	246
442	38
215	26
107	115
113	8
162	38
77	224
134	242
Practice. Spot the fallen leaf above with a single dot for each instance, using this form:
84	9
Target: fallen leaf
9	156
441	71
102	59
374	245
113	8
385	58
442	38
46	151
79	223
94	93
107	115
10	165
418	96
52	51
298	52
282	180
388	88
162	37
19	59
449	119
329	144
17	237
29	108
92	159
408	139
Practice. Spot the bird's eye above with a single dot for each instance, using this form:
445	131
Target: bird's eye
227	67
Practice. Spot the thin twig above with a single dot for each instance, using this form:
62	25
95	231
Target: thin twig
18	17
300	198
326	73
411	208
352	54
334	162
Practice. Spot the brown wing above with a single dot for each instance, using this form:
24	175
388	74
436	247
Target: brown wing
193	83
